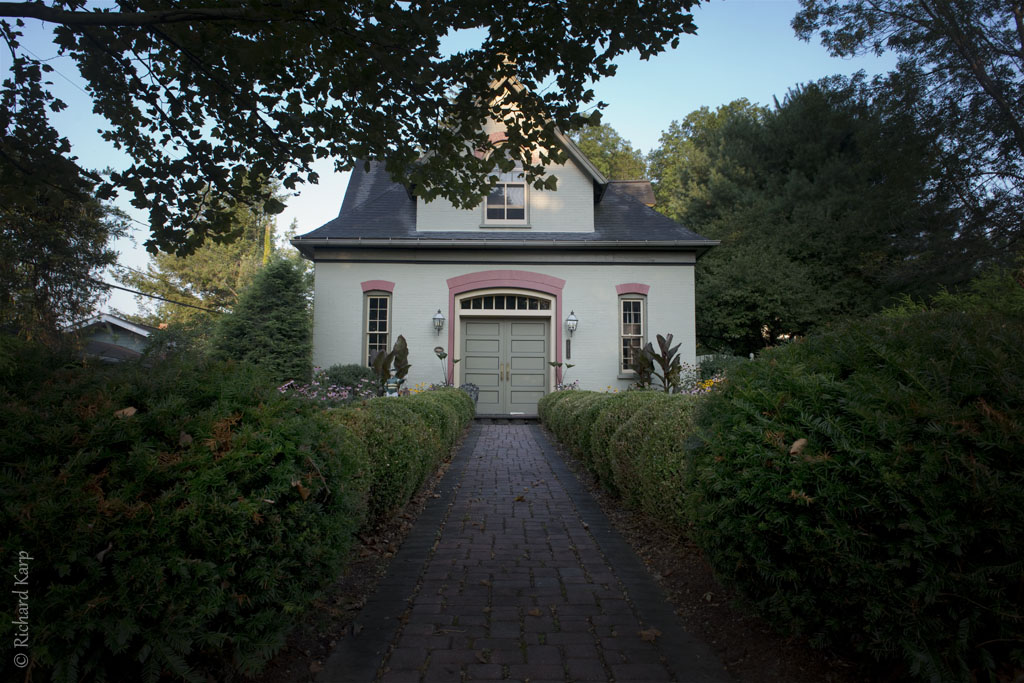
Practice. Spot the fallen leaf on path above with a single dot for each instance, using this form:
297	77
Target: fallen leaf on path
650	635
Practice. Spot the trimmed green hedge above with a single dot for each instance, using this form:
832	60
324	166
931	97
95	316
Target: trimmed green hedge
179	517
633	442
899	527
407	438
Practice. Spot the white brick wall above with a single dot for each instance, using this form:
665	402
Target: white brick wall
421	288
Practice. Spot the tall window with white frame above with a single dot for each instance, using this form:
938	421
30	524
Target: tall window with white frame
631	331
377	324
506	204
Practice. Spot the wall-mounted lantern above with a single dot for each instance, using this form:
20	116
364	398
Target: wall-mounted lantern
438	322
571	322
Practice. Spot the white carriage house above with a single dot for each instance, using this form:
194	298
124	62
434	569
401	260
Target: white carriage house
582	275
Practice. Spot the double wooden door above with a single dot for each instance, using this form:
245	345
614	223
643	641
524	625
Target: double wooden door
508	359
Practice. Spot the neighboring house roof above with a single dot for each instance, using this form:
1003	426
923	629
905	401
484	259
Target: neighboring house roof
107	319
377	211
111	353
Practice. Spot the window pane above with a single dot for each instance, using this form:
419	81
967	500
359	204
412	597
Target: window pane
495	214
478	302
545	305
510	302
534	304
496	196
516	214
372	327
499	303
488	302
465	303
515	195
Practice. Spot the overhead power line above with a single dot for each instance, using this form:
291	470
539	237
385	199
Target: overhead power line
151	296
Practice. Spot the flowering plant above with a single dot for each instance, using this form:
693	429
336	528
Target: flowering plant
321	390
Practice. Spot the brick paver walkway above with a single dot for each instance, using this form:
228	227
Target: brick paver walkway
514	573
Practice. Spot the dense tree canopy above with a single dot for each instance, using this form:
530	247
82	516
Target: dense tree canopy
961	75
53	250
201	94
829	205
615	157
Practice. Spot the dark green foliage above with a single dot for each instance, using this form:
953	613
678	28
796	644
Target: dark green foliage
446	410
647	457
616	413
270	325
349	375
182	538
897	527
636	443
832	204
264	89
547	404
719	365
458	399
214	275
407	438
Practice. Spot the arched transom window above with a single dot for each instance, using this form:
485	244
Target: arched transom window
506	302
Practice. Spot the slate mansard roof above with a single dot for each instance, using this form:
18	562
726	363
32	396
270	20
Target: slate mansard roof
377	211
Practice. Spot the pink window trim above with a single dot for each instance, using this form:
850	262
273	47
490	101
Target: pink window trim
632	288
381	285
513	279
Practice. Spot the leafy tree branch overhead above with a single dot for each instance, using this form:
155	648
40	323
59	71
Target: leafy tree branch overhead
203	95
961	72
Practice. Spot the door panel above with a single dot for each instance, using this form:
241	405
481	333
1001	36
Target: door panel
482	354
508	360
528	356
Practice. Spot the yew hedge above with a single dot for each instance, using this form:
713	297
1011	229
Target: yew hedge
897	527
180	516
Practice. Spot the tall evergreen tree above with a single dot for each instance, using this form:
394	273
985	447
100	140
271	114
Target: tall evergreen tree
270	325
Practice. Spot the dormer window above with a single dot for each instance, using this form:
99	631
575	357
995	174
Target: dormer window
507	201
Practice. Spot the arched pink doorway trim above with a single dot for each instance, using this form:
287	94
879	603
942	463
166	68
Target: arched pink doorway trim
517	279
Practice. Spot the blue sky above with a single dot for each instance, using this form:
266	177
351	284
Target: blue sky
743	48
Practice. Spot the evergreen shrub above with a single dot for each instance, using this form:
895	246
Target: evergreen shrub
719	365
647	456
406	441
548	402
616	413
559	423
866	487
178	516
636	443
270	325
349	375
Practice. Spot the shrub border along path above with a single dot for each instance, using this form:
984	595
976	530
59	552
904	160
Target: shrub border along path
406	601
